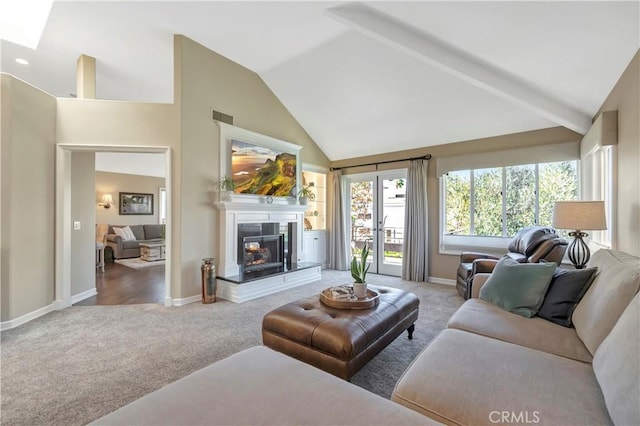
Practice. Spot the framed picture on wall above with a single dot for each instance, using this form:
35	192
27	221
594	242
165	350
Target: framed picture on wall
132	203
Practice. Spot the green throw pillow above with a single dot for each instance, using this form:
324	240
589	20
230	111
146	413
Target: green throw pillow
518	287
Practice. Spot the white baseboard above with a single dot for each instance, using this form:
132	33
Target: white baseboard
444	281
185	301
7	325
84	295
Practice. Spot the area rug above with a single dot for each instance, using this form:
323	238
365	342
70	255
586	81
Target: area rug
137	263
73	366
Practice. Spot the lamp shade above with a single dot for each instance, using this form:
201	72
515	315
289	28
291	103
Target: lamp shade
107	199
579	215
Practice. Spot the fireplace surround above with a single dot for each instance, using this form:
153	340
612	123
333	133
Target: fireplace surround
252	233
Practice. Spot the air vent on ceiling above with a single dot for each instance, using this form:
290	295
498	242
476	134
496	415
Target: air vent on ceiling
221	116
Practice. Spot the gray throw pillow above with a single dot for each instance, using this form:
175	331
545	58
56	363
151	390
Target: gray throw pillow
518	287
565	291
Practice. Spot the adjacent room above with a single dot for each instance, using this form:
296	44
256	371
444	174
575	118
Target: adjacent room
322	212
129	269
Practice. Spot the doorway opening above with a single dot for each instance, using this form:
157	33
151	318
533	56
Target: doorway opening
64	219
376	218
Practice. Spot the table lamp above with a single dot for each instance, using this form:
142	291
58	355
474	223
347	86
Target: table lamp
579	215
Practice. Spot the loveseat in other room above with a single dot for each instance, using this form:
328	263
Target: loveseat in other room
123	249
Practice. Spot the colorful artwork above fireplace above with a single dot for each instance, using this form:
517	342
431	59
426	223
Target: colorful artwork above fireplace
259	170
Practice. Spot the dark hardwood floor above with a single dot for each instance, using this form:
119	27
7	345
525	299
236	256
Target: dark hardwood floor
119	285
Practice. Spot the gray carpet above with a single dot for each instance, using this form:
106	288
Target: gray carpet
76	365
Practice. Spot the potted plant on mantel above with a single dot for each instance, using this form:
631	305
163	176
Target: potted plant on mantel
359	271
306	194
226	185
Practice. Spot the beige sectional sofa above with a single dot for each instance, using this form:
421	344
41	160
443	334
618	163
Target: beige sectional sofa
262	386
492	366
488	367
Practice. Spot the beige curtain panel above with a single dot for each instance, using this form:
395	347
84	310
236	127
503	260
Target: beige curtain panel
338	253
415	261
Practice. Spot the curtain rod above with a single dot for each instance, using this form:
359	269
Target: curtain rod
424	157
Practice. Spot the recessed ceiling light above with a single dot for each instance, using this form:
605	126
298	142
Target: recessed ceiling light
22	61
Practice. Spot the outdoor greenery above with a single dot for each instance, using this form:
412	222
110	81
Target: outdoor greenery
555	182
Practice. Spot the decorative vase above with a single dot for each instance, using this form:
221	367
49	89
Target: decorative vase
225	195
303	201
360	290
208	270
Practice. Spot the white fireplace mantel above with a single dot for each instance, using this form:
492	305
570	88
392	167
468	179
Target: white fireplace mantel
253	210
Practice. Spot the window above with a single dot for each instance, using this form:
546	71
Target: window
498	202
598	166
162	205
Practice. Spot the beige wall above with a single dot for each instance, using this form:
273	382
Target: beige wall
96	122
99	122
28	122
113	183
443	265
83	275
625	98
33	121
206	80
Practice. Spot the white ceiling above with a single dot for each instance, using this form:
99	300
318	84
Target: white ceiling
148	164
362	78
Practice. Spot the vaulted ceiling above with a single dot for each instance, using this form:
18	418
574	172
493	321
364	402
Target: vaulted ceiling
361	78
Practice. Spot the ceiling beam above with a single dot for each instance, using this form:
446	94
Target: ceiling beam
429	49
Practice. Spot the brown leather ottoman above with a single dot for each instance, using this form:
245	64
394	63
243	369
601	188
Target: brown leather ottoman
339	341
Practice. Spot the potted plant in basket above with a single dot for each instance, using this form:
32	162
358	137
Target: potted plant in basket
306	194
359	271
226	185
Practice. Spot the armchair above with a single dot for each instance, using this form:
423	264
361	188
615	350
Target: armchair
530	245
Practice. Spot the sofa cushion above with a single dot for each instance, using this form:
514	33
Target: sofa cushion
129	233
462	378
565	291
133	244
153	232
138	231
480	317
518	287
262	386
617	368
125	233
617	281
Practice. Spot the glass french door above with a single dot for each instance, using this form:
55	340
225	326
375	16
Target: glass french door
376	217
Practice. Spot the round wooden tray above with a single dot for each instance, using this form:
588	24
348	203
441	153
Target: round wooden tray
352	302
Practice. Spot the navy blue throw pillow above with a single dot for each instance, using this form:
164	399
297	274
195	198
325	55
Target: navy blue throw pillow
565	291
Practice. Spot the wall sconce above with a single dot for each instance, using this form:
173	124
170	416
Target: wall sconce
107	200
579	215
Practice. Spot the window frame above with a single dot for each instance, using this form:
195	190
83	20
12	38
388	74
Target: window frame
455	244
600	166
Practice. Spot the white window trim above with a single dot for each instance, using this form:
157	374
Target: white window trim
600	165
456	244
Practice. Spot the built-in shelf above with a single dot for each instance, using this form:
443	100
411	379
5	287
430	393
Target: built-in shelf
316	213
